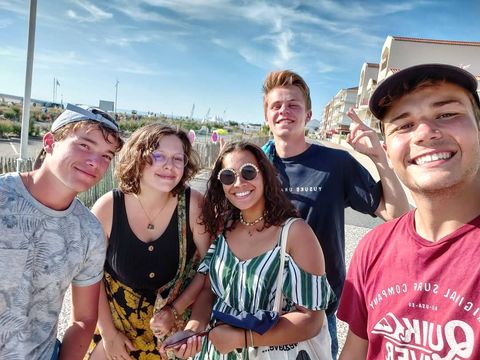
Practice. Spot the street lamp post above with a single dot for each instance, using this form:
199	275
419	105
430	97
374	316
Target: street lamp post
28	87
116	93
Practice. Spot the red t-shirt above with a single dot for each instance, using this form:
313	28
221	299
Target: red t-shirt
412	298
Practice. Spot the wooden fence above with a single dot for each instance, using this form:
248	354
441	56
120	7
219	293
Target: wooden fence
208	152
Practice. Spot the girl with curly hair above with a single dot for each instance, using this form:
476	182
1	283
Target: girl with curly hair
245	210
154	242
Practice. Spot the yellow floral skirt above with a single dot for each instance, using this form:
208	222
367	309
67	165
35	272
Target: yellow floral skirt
131	313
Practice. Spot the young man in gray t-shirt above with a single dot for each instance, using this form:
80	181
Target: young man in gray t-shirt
51	240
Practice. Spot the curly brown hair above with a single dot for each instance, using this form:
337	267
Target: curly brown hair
218	214
137	153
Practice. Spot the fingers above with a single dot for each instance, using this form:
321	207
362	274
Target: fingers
158	332
161	323
163	353
361	135
124	356
353	116
129	345
354	128
193	346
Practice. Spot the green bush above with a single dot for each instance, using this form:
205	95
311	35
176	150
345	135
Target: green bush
10	114
16	128
5	127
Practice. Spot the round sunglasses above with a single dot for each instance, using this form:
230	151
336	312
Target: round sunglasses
247	171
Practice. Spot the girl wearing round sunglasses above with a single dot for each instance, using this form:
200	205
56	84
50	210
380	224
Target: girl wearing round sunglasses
245	209
151	224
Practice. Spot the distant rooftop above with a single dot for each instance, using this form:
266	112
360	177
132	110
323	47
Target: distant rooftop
432	41
395	70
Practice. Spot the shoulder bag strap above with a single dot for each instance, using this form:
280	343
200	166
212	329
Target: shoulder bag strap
283	246
175	284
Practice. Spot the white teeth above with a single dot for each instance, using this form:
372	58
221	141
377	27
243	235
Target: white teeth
433	157
242	194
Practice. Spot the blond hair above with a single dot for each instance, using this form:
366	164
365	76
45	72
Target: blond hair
285	78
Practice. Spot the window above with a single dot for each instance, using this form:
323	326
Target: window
385	54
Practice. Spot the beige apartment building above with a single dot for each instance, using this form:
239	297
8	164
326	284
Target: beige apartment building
335	119
366	85
401	52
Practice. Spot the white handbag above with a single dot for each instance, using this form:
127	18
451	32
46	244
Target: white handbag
316	348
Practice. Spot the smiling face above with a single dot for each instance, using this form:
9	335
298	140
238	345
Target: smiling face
166	169
432	139
285	112
246	195
81	158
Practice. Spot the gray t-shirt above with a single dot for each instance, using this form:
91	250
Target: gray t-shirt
42	252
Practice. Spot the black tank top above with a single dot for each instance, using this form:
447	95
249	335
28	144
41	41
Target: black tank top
144	267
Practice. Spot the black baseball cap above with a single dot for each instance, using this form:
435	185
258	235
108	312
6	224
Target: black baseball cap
396	84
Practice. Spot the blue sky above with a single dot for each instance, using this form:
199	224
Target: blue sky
170	54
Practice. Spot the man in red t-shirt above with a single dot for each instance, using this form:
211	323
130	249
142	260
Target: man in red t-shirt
412	290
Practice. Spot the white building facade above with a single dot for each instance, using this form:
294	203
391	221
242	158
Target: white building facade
366	85
335	119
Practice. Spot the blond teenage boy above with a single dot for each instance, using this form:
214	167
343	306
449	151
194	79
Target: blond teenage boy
321	181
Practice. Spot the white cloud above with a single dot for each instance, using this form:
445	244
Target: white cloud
13	53
138	69
363	10
93	12
5	23
283	49
124	41
68	58
135	11
43	58
196	9
324	68
16	6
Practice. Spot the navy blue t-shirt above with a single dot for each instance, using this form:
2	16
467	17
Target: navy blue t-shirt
321	182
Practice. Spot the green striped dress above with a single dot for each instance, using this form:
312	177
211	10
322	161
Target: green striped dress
250	285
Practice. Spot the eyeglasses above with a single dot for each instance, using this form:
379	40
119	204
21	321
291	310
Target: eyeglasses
228	176
160	158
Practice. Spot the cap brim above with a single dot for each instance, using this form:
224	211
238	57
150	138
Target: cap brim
394	84
74	114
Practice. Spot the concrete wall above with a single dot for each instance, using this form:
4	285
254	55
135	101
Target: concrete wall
404	53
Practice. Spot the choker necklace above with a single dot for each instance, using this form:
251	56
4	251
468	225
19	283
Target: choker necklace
250	223
150	225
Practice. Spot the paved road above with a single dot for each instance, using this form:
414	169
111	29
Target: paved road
356	226
11	147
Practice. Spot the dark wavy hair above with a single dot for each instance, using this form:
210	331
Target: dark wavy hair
137	153
218	214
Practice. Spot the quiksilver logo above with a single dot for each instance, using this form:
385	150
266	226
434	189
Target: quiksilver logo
420	339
